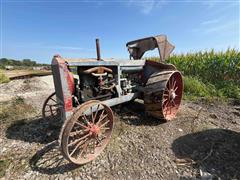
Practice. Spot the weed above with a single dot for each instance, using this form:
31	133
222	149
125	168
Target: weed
3	78
3	167
15	110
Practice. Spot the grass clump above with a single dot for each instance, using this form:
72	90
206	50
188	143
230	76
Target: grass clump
3	78
15	110
194	86
4	164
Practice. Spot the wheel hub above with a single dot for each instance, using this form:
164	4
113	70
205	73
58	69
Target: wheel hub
172	95
94	130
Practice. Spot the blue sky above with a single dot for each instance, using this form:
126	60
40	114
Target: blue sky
38	29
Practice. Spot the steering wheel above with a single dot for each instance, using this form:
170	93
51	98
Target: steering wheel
98	71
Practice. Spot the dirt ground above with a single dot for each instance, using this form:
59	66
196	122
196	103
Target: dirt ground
203	142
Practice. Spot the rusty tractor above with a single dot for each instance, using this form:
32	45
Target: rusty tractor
85	89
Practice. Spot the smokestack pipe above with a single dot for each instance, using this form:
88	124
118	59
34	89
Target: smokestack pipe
98	50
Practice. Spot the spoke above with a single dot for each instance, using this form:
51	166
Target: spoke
102	113
50	110
165	95
104	136
96	113
84	148
167	87
164	100
80	139
92	113
78	123
176	88
174	84
166	90
105	128
78	132
97	138
166	105
86	119
79	144
53	104
102	125
101	116
53	99
101	119
99	141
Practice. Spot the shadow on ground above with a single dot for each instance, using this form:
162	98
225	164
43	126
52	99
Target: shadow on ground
217	151
37	130
49	160
47	130
133	113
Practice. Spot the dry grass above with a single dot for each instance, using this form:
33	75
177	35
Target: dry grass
3	77
14	73
15	110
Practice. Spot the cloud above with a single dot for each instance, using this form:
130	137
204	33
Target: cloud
220	22
217	8
55	47
213	27
146	6
212	21
210	4
69	48
222	27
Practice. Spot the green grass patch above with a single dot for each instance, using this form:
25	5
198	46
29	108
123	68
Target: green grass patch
195	87
3	78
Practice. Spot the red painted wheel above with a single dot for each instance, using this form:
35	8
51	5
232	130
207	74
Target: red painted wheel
51	109
87	132
163	94
172	96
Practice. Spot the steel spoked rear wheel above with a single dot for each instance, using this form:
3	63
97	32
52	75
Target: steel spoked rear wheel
172	96
163	94
87	132
51	109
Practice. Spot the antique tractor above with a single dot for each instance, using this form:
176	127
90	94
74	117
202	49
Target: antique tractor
85	89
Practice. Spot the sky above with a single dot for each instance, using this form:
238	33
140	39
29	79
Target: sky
38	29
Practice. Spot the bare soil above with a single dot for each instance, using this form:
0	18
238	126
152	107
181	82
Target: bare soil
202	142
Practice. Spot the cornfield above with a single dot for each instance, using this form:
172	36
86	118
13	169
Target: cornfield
220	71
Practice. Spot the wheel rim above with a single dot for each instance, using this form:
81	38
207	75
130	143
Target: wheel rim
51	109
172	96
87	132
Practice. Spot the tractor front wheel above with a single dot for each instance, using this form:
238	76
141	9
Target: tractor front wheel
51	109
87	132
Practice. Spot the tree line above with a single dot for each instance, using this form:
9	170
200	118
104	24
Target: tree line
25	62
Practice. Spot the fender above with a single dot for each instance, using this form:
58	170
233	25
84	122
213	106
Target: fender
64	85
